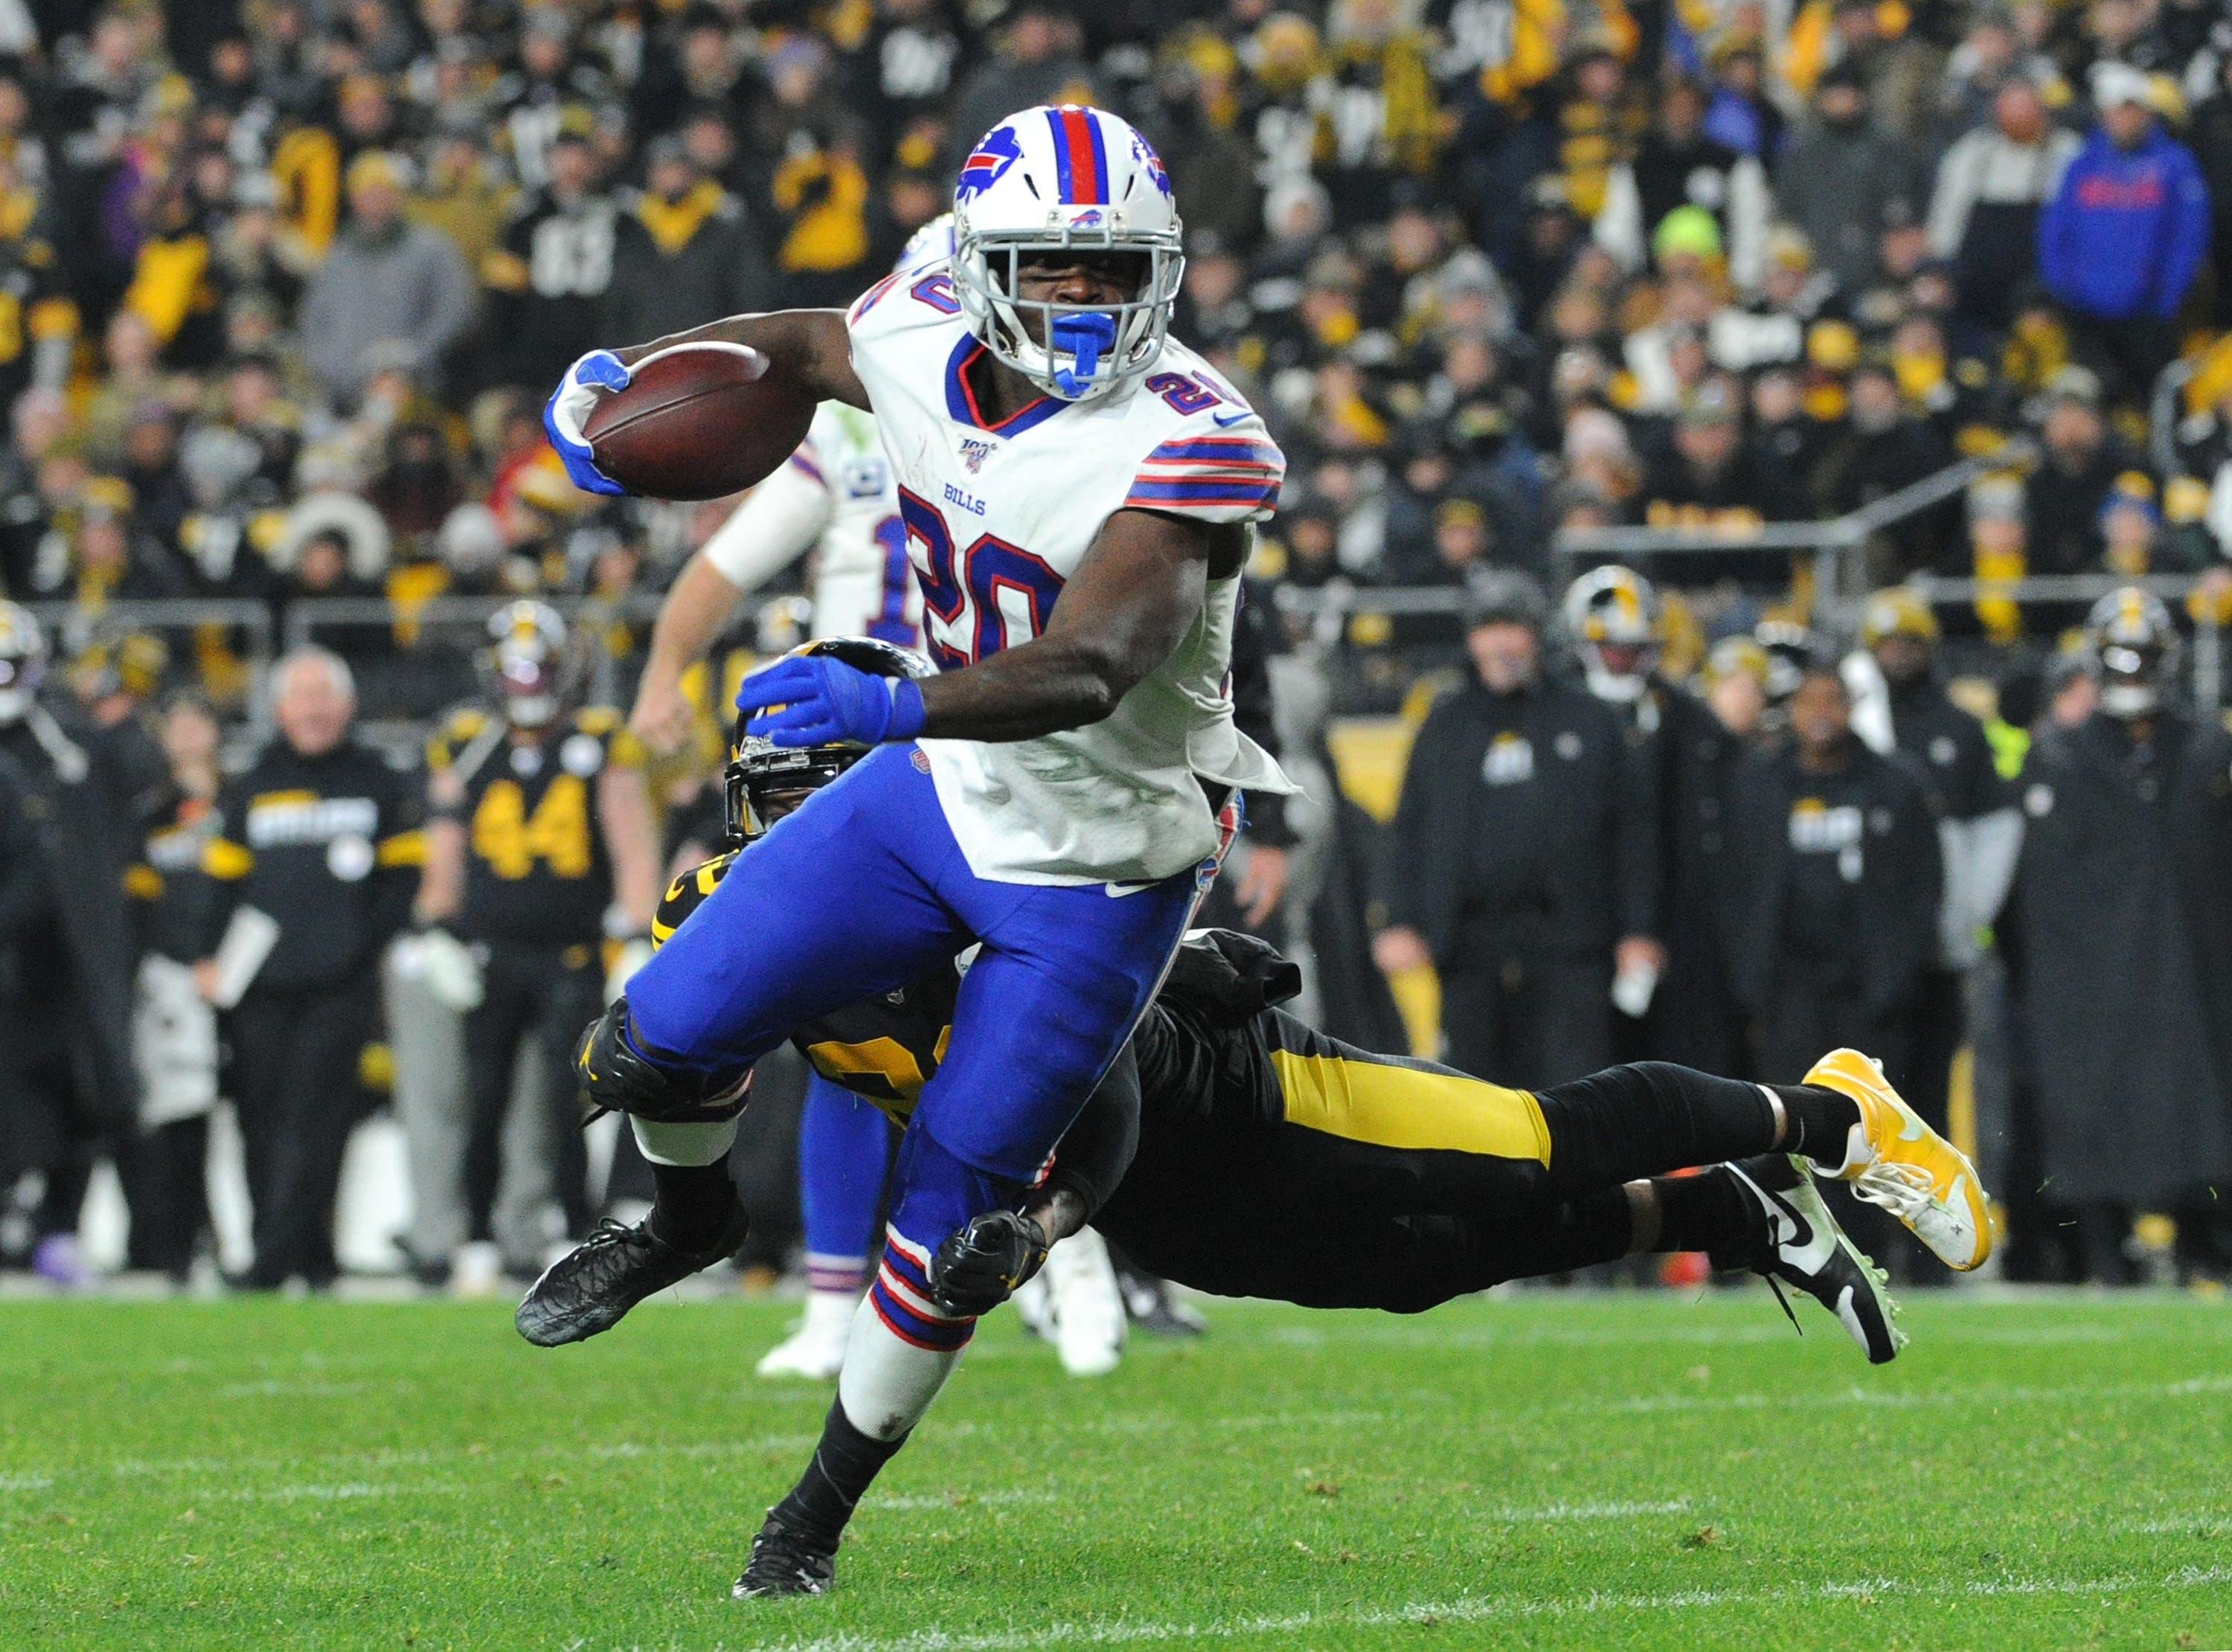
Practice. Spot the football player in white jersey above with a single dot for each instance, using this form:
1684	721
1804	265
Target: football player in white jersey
1078	492
835	496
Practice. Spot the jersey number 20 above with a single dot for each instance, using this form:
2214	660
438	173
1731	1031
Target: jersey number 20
988	596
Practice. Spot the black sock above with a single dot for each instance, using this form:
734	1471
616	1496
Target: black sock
1821	1121
845	1464
1647	1119
691	1203
1708	1212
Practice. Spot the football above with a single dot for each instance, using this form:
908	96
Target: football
699	421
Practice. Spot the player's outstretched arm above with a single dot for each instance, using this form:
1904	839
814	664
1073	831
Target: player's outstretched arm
696	609
1127	606
812	344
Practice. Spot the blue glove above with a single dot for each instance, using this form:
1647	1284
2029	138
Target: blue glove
568	409
812	700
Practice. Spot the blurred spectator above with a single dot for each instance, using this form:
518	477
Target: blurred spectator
2080	461
2122	238
386	281
66	951
313	863
1522	862
685	252
1676	164
1687	1014
1832	920
2122	914
173	1030
1978	828
1991	188
1843	182
555	267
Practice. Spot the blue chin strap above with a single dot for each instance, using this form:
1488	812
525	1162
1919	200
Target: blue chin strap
1085	336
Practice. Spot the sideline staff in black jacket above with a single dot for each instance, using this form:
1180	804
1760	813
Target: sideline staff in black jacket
319	835
1834	877
1523	857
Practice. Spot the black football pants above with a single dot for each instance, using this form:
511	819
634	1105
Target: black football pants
546	994
294	1078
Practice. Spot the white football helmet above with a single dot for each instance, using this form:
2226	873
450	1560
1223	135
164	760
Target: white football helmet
931	245
1061	177
1613	615
23	661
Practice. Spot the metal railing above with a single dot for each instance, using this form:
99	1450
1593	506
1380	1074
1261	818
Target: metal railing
2207	660
1838	542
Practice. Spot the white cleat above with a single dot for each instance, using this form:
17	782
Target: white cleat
1086	1305
815	1350
1807	1249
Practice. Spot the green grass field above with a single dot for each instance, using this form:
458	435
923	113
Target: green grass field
1571	1471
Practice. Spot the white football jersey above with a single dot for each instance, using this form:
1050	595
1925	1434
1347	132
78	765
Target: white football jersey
835	497
998	517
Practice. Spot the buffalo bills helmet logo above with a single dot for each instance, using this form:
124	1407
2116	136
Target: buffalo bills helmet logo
1152	161
996	151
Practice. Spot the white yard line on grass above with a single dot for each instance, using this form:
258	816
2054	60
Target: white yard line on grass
1620	1511
1473	1608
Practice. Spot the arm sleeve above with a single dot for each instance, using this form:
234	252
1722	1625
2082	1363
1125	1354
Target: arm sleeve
1221	474
24	890
779	521
1751	209
1950	203
1403	848
1618	228
452	295
2188	236
399	854
2053	227
226	861
1098	1147
1635	841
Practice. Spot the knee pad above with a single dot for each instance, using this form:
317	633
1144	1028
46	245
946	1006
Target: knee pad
617	1076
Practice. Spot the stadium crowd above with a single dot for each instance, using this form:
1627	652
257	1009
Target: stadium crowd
283	284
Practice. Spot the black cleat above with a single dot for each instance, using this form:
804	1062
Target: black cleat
591	1286
1806	1249
783	1562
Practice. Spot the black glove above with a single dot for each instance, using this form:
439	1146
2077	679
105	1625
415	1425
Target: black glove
617	1080
978	1268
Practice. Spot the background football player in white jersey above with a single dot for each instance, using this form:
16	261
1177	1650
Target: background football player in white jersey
1077	492
833	498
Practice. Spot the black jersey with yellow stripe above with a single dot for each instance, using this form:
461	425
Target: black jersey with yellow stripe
883	1049
537	867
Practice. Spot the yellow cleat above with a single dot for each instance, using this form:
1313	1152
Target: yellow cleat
1896	1160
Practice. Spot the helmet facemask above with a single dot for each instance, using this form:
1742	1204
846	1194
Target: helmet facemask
1075	353
764	781
2135	653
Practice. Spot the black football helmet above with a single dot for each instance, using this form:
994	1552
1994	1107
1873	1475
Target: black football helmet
764	781
2134	648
